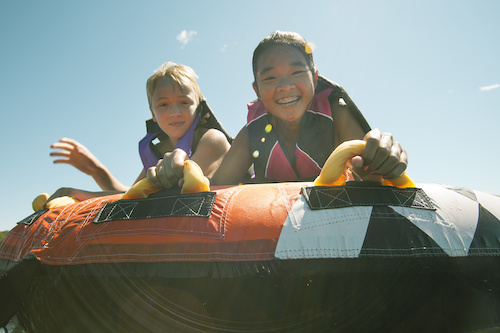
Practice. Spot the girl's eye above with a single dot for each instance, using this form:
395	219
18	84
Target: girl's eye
163	105
269	78
298	72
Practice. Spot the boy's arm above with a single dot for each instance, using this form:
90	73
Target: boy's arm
79	195
210	151
74	153
236	162
141	176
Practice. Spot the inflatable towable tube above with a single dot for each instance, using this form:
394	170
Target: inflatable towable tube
273	257
281	257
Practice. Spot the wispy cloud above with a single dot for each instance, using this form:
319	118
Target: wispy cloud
225	47
488	88
185	36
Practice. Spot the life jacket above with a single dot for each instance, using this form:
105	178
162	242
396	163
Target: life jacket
314	144
205	119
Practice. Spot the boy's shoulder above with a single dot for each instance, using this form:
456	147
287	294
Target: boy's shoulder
208	120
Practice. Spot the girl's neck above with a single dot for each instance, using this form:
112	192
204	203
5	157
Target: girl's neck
288	132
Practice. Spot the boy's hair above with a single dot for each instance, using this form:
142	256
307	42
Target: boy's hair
181	75
283	38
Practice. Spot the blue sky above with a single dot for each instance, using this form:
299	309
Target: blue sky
427	71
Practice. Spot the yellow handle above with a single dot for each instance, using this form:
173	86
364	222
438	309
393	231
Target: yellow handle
194	179
194	182
332	173
40	202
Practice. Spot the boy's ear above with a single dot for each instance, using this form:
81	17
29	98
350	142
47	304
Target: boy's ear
153	115
254	86
315	79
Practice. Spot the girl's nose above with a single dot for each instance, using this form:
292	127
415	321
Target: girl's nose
285	83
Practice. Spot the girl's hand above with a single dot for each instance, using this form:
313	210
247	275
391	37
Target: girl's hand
169	171
382	157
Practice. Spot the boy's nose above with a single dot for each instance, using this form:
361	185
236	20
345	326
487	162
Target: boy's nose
175	110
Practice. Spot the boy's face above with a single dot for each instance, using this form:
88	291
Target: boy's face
284	82
173	109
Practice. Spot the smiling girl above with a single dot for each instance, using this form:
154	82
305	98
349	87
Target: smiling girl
299	119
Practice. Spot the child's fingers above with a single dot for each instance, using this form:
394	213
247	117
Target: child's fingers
387	162
382	151
165	176
178	157
61	153
151	175
69	141
59	145
398	168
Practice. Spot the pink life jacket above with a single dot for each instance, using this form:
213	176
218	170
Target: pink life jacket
272	162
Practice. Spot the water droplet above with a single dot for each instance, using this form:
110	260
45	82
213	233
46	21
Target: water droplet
263	139
268	128
255	154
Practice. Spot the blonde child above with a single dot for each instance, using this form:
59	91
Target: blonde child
297	121
181	119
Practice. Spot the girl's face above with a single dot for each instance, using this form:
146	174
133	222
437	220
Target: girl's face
173	109
285	83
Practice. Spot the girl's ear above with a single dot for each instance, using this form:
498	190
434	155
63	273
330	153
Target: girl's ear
254	86
153	114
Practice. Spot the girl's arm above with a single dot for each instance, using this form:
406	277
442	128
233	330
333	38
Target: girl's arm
346	126
236	162
382	156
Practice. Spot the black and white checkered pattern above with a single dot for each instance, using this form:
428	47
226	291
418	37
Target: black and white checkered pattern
463	223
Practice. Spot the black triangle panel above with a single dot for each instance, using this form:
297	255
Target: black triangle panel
486	239
391	235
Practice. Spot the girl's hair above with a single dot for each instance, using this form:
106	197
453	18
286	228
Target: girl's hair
283	38
181	75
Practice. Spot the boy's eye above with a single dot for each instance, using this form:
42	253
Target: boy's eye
298	72
162	105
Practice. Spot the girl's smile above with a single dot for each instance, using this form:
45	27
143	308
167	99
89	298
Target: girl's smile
285	83
288	101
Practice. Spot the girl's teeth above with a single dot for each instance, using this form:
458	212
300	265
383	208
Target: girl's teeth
288	100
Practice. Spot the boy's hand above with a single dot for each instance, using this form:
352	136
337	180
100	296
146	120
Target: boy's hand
74	153
169	171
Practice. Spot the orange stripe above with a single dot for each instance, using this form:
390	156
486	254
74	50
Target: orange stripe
245	224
